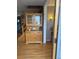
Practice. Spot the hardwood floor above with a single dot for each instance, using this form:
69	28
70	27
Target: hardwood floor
34	51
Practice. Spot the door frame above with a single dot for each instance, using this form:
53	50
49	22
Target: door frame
56	23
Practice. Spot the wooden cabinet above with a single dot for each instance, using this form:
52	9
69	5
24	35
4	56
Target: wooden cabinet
33	28
33	37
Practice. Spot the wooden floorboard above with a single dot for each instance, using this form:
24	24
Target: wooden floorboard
34	51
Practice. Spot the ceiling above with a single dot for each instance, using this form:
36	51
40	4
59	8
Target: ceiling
22	4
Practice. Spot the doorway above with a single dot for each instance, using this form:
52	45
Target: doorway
37	23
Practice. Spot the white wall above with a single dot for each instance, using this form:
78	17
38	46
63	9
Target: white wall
45	23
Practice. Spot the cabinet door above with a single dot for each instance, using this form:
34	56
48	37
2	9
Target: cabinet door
38	19
32	37
39	36
29	19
